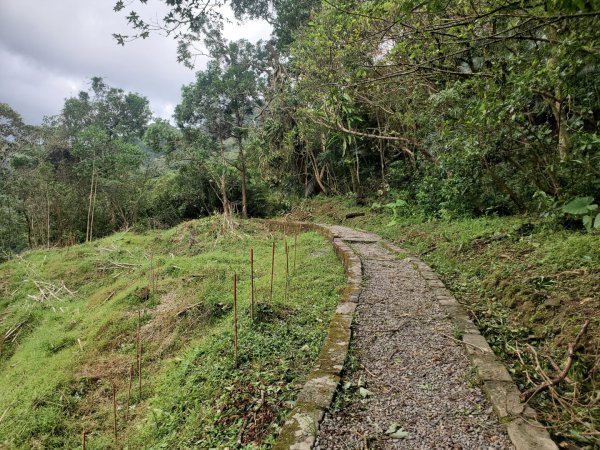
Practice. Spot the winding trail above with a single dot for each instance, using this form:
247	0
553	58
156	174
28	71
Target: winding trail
419	367
417	377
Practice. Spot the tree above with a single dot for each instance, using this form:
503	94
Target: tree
122	115
102	125
190	22
17	142
240	84
203	110
220	102
82	173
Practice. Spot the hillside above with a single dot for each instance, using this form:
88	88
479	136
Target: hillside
69	318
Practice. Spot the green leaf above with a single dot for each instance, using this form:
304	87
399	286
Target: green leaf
597	221
392	428
578	206
364	393
400	434
587	222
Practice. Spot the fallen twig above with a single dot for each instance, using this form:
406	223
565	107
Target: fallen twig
111	295
49	290
352	215
462	342
187	308
12	332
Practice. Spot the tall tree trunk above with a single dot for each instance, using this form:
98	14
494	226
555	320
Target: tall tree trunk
89	214
305	164
93	209
558	103
560	115
225	199
316	173
353	178
243	179
47	218
382	164
381	156
29	226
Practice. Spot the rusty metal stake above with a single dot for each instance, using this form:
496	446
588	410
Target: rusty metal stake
272	269
252	283
114	395
129	393
235	324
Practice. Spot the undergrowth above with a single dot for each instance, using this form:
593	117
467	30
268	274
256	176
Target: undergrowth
70	317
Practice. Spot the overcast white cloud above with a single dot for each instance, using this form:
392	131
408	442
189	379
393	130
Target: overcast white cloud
50	49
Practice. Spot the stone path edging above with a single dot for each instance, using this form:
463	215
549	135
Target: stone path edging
300	431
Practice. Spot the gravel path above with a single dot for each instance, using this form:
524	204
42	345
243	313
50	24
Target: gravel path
414	388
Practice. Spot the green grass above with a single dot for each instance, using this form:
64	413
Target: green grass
55	377
525	283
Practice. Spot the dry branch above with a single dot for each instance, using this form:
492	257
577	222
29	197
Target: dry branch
13	332
550	382
111	295
184	311
49	290
352	215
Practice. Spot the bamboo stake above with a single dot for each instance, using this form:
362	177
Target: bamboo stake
114	395
295	245
137	351
151	281
129	393
287	259
235	324
83	440
272	269
287	269
252	283
140	367
155	269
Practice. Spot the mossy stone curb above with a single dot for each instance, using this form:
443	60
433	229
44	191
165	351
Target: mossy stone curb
300	431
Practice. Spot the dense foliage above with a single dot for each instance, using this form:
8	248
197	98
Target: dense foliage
459	107
77	176
464	107
455	108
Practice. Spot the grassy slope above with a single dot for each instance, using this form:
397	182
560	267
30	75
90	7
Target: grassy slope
524	284
55	377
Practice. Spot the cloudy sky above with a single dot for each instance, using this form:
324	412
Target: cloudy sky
50	49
